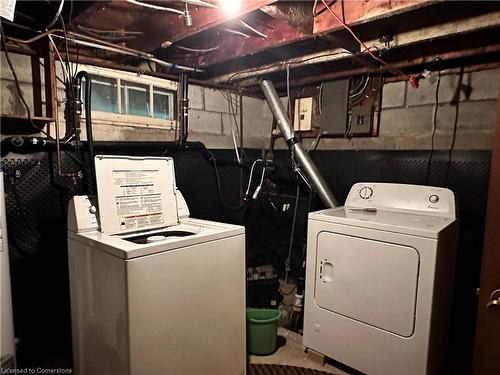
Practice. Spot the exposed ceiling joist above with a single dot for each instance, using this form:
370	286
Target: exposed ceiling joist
234	46
276	34
162	27
430	34
355	12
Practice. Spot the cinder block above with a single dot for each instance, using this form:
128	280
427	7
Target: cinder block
128	133
266	111
426	92
402	120
213	141
215	101
205	122
229	121
485	84
393	94
284	101
11	103
196	97
253	107
471	115
257	127
477	140
22	66
234	106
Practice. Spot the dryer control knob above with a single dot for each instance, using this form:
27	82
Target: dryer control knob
92	210
434	198
366	192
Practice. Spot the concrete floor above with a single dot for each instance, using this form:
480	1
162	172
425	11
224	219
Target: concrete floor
292	353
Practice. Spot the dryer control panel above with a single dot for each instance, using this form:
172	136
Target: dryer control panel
425	200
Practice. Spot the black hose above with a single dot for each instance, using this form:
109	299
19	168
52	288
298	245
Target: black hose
184	109
88	120
29	145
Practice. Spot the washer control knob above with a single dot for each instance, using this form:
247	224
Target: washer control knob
92	210
434	198
366	192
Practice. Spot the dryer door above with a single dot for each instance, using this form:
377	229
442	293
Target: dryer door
370	281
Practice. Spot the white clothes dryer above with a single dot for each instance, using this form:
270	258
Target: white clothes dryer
379	278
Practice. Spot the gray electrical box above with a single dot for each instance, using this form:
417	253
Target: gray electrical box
334	104
361	120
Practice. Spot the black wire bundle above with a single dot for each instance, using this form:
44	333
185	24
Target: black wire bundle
456	101
434	128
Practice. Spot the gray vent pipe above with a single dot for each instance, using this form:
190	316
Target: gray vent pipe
302	158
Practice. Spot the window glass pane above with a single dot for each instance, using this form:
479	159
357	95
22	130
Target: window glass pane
104	95
123	109
138	99
163	103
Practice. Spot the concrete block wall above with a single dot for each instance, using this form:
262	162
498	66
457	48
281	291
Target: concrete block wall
406	121
214	114
406	117
10	102
211	115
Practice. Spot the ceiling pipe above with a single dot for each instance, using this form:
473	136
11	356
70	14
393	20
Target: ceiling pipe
155	7
92	42
253	29
305	163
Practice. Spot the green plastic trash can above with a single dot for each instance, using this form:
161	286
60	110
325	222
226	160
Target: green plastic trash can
262	328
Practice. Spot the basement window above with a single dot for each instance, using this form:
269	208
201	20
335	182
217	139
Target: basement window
124	98
104	94
135	99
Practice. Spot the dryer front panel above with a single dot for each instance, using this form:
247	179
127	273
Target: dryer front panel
370	281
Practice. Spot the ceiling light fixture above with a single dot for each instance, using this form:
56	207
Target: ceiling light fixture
230	6
188	19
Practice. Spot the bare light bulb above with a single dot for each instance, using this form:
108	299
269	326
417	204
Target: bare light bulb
230	6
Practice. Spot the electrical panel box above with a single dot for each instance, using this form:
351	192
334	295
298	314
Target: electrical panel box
334	107
302	119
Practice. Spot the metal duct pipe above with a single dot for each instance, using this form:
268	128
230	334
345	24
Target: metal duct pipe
302	158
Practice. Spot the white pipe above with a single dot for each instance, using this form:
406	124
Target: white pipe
254	30
142	55
157	7
58	13
236	32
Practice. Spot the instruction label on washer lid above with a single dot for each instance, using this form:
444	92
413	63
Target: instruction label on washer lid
139	192
138	198
7	8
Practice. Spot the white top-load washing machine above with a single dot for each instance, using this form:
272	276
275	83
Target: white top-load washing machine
379	278
153	291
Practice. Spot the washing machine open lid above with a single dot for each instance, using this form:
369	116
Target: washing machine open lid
135	193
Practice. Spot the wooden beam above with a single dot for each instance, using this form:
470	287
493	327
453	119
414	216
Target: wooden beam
110	15
234	46
355	12
50	77
219	62
431	35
